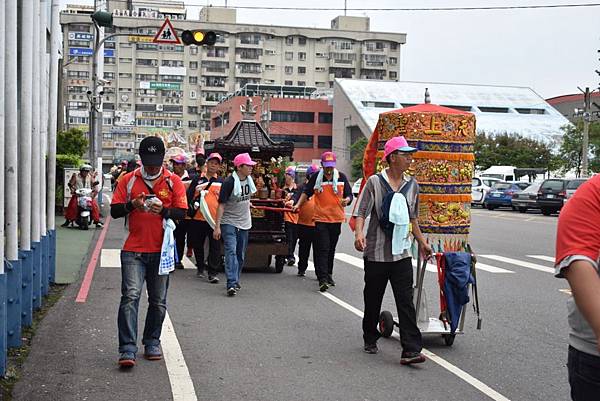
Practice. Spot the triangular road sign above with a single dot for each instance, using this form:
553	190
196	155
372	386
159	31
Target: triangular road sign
167	34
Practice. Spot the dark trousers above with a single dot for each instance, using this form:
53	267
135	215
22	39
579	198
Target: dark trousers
306	235
291	232
180	234
199	231
400	275
326	238
584	375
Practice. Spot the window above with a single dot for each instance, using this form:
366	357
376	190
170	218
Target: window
320	69
393	60
79	43
193	49
80	27
293	116
325	118
288	83
530	111
193	65
109	75
302	56
301	70
393	75
270	52
249	54
302	41
78	74
124	75
300	141
393	46
289	55
289	40
324	142
174	63
78	120
193	94
493	109
146	61
289	70
193	80
250	38
382	105
125	60
192	124
301	83
146	46
110	60
269	67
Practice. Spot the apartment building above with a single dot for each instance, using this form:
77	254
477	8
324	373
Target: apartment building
171	89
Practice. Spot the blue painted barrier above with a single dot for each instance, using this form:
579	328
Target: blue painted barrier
44	266
26	287
52	265
36	279
3	319
13	302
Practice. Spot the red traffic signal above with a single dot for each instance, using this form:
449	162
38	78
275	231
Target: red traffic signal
199	38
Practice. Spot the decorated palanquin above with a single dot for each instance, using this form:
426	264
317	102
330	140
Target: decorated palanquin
443	167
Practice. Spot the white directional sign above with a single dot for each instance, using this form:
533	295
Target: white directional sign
167	34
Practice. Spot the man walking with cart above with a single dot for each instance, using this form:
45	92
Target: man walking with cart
233	220
578	260
332	193
391	199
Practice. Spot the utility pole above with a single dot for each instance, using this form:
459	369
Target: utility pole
586	129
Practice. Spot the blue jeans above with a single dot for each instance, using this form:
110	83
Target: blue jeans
135	268
235	241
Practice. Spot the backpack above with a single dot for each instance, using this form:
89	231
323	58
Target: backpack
192	209
384	220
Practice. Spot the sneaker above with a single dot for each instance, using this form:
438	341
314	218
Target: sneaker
330	281
412	357
179	265
66	224
291	261
238	286
213	279
231	292
152	353
99	224
127	359
301	273
323	286
371	348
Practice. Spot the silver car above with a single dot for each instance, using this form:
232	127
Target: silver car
527	198
572	186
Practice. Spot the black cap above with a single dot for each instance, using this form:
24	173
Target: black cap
152	151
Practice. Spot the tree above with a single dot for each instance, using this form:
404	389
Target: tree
357	151
571	149
512	150
71	142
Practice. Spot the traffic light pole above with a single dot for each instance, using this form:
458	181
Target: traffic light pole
586	129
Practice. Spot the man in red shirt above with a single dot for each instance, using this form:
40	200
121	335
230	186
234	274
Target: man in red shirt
577	260
146	196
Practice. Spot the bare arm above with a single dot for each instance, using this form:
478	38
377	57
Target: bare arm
217	229
585	284
359	236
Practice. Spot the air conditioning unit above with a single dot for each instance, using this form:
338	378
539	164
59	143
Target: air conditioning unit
159	107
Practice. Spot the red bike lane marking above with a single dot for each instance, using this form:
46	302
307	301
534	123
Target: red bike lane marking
89	273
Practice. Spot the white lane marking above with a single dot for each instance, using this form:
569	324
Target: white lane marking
542	257
182	386
310	267
485	389
358	262
519	263
110	258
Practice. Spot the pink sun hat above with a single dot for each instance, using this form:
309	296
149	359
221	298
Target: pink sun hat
397	143
243	158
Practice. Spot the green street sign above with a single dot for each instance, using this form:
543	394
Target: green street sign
165	85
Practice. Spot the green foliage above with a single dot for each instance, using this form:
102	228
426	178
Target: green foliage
570	153
357	151
71	142
512	150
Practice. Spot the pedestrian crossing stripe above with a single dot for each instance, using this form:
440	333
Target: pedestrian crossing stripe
512	261
542	257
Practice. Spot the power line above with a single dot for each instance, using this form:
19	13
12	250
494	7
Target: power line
523	7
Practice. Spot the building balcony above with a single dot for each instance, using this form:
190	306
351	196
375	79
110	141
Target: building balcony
373	65
342	63
249	44
253	60
208	102
215	72
373	50
248	74
341	49
215	56
211	87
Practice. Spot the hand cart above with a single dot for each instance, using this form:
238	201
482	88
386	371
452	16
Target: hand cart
428	324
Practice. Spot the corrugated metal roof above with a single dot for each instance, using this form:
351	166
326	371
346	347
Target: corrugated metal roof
365	95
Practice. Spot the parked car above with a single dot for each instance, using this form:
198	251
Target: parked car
356	187
551	195
527	198
480	186
572	187
501	194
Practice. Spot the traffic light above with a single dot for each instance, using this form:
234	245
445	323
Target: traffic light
199	38
102	18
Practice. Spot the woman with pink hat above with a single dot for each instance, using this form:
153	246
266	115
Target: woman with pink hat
233	220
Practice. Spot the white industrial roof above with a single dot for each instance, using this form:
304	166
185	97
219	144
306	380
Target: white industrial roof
509	105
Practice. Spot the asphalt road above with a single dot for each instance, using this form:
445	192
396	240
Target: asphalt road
280	339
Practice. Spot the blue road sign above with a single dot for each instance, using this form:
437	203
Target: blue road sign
82	51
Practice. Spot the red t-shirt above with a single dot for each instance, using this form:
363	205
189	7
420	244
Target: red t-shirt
578	231
145	228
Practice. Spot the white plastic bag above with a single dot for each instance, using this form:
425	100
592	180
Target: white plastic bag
167	254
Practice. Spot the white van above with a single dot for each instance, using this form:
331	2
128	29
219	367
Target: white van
503	173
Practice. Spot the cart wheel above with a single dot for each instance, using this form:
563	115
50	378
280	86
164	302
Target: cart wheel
449	339
279	263
386	324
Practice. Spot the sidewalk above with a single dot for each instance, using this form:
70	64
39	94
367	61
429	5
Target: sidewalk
74	352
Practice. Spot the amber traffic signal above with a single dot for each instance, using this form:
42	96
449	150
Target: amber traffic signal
199	38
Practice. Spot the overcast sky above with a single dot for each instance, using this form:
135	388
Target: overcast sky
550	50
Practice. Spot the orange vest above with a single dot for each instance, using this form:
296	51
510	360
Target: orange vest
328	206
211	198
306	214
